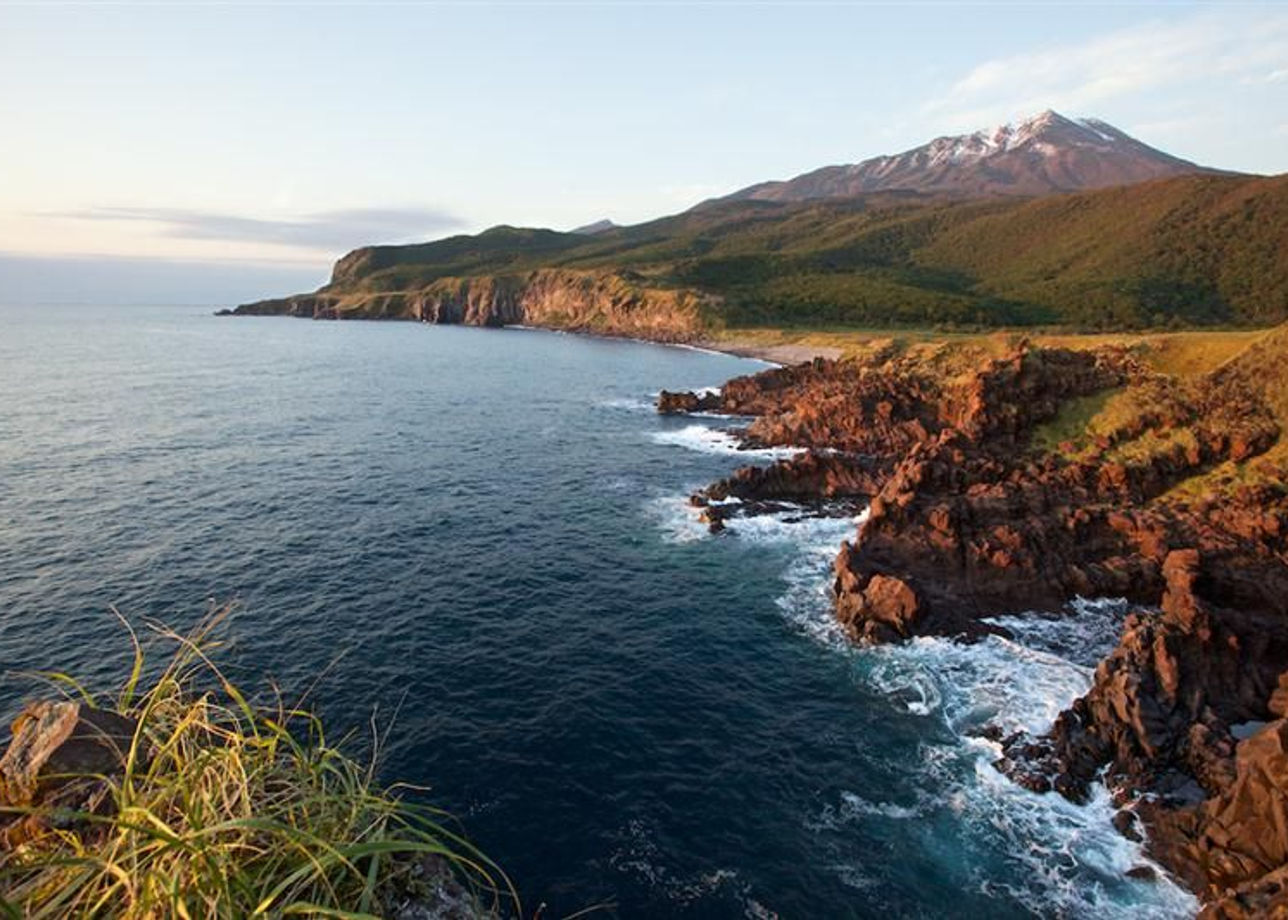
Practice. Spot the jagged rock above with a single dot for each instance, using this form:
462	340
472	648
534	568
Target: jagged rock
669	403
812	476
967	521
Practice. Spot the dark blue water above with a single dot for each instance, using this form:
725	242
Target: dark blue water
484	530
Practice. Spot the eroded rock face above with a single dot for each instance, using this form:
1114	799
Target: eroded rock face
610	303
1161	706
669	403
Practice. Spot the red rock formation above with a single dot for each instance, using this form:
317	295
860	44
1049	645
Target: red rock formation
966	521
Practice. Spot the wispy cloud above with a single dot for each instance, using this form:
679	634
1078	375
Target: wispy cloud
326	230
1143	58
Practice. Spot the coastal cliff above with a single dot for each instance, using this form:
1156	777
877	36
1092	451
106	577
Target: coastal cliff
608	303
1005	478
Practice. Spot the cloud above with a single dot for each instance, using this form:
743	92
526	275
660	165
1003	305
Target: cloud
1132	61
326	230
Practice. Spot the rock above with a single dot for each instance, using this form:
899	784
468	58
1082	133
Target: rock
1244	829
58	753
669	403
968	519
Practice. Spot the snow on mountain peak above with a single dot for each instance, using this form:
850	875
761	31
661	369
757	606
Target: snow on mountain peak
1043	153
1044	133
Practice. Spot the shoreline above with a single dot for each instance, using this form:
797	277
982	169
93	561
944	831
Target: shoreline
779	354
976	515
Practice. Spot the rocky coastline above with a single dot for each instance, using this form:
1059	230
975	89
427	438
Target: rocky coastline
1016	479
615	303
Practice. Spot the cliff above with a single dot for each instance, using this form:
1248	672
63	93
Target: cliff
609	303
1014	479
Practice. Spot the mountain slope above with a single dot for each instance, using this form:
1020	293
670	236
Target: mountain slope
1193	250
1044	154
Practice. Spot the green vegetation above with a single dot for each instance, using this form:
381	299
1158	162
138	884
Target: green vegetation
1072	423
1184	252
226	809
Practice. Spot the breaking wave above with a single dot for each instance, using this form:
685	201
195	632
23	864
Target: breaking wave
709	440
1064	860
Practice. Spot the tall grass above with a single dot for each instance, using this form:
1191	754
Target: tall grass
226	808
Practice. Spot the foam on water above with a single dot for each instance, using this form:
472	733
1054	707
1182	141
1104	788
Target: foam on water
676	519
708	440
1068	860
1085	633
629	403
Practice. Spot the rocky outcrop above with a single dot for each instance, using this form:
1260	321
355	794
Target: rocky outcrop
1172	496
609	303
58	757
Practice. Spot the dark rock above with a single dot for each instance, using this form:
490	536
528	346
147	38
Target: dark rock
58	755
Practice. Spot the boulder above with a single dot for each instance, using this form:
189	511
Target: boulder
58	756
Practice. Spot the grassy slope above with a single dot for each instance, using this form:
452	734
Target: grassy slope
1188	251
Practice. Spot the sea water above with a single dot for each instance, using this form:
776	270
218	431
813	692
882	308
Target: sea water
481	538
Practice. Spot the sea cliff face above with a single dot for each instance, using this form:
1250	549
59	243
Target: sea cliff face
609	303
1015	482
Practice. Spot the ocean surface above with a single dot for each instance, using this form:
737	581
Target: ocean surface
481	537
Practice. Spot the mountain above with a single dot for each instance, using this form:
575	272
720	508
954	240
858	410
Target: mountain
1191	250
1041	155
598	226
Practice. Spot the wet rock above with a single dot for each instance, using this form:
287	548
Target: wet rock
669	403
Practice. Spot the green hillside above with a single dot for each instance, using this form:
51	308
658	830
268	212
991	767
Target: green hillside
1195	250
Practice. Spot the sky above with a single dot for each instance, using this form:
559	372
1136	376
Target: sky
217	152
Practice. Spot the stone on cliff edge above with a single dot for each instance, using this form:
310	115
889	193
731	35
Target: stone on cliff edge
57	752
875	608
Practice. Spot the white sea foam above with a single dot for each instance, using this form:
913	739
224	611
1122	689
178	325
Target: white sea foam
968	686
1065	860
629	403
708	440
1068	859
639	855
676	519
1084	633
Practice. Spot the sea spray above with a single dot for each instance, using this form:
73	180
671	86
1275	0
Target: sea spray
1066	859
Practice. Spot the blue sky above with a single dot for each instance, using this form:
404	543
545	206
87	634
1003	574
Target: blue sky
255	143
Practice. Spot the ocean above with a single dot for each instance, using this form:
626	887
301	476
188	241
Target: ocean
478	539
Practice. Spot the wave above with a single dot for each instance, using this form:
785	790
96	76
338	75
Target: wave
1064	859
633	404
1016	846
708	440
1067	859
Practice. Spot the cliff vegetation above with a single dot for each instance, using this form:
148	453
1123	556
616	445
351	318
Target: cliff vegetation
1183	252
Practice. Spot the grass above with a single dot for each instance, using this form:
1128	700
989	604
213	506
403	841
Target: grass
227	809
1072	423
1187	252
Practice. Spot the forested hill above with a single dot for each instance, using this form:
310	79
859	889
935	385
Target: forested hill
1191	250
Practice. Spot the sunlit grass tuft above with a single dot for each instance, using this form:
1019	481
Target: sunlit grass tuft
229	809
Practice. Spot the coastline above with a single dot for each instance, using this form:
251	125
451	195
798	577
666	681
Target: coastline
965	512
994	494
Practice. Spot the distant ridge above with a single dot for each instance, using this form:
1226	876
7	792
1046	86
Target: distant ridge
599	226
1044	154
